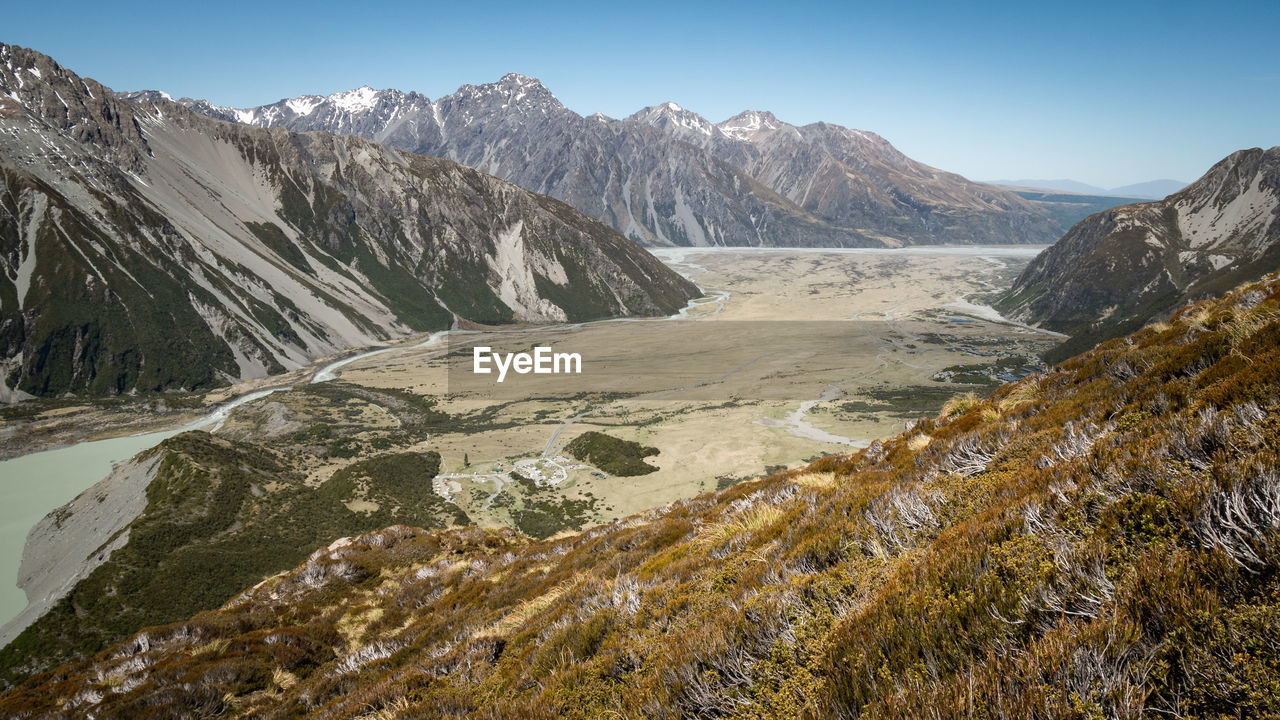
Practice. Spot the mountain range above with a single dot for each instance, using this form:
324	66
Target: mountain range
668	176
1127	266
147	247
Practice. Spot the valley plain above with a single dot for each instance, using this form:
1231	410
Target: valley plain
795	354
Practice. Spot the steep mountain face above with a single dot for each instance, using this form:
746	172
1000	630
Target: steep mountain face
1119	269
1100	540
144	246
667	176
856	179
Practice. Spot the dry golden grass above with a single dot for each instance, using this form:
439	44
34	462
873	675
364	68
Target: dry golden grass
283	679
918	442
215	647
351	626
815	480
960	404
1021	394
1241	324
747	522
514	619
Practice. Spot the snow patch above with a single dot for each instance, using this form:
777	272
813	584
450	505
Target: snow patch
681	118
361	99
304	105
746	126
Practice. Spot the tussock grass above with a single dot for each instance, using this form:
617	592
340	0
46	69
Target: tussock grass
214	647
959	405
918	442
815	480
743	524
1021	394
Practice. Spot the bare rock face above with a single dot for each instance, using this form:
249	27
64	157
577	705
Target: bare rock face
667	176
1120	269
145	246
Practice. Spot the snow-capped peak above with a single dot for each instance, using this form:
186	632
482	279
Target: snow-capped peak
361	99
518	87
304	104
671	116
518	80
749	123
145	95
513	89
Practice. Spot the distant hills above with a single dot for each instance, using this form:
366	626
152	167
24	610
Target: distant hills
147	247
1151	190
668	176
1122	268
1069	208
1154	189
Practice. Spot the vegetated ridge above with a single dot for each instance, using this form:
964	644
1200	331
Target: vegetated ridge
222	511
1097	540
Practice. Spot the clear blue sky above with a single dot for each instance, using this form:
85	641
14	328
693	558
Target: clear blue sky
1108	95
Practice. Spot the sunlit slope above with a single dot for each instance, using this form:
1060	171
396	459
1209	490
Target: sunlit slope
1117	270
1098	540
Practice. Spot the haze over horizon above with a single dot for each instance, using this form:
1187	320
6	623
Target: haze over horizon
1103	95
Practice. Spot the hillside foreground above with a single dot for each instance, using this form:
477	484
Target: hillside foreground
1097	540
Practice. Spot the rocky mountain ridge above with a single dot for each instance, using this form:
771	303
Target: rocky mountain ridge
667	176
